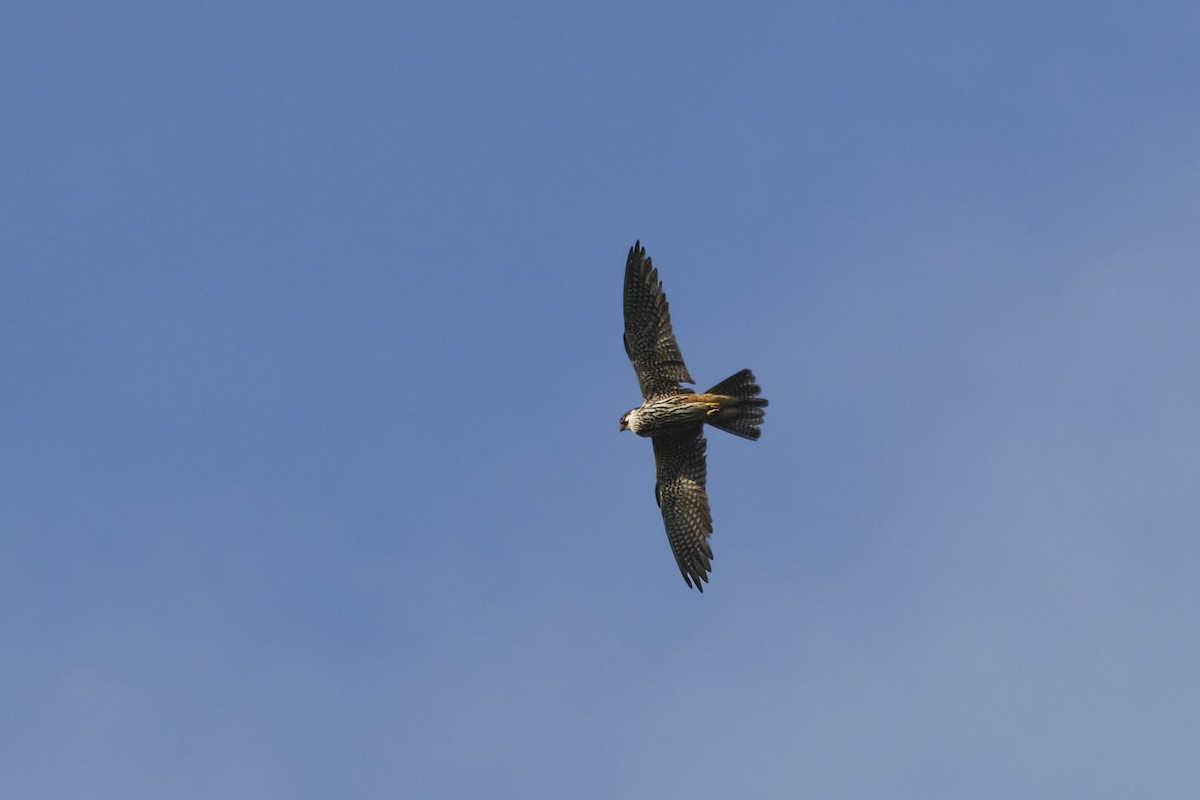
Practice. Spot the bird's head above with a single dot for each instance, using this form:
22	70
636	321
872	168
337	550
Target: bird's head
625	421
631	420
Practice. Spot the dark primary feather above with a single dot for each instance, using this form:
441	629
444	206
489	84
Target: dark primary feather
681	473
649	341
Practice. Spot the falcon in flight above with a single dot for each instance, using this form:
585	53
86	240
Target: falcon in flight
674	417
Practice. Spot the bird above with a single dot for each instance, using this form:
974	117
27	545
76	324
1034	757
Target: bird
673	417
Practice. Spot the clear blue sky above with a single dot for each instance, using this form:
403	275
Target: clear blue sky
310	478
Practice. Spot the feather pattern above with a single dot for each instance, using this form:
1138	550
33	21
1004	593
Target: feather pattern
680	476
649	341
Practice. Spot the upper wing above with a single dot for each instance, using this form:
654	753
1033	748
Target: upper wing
680	474
649	341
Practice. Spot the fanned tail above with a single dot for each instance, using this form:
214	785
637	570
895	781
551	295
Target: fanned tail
742	412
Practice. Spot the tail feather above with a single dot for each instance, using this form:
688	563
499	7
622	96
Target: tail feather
742	412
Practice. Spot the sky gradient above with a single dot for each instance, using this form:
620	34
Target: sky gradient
311	482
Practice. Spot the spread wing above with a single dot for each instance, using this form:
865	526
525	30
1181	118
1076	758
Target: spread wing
680	474
649	341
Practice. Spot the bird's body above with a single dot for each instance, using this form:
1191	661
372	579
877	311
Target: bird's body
671	413
674	417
